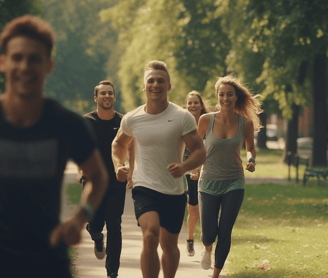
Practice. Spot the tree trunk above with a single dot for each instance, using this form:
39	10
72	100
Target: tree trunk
261	136
292	128
319	151
292	134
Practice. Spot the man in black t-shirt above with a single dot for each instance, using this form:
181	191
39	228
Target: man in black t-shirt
37	138
106	122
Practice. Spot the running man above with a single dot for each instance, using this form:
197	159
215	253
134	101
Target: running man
106	122
37	138
160	130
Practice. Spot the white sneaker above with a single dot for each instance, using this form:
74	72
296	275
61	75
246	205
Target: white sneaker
206	260
99	248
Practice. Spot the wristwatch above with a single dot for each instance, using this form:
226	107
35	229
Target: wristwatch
252	159
82	180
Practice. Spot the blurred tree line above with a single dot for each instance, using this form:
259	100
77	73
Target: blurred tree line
86	52
278	48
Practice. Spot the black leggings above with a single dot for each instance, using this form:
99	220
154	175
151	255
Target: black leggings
192	191
230	204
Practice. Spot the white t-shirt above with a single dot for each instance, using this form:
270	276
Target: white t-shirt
158	142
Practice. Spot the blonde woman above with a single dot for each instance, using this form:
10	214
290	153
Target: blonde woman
197	107
222	182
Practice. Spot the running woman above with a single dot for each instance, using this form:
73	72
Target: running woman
222	182
197	107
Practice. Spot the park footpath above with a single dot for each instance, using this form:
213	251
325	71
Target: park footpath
88	266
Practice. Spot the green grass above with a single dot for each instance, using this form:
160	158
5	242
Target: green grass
72	255
73	193
283	229
269	164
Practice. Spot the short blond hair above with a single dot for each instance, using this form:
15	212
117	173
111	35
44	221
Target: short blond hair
157	65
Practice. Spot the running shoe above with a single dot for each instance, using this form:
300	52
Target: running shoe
112	275
99	248
190	247
205	260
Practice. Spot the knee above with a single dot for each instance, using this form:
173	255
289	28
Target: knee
169	247
208	239
151	238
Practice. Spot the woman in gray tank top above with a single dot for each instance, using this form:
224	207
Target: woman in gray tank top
222	182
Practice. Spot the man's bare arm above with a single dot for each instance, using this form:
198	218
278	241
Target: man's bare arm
120	146
131	157
196	158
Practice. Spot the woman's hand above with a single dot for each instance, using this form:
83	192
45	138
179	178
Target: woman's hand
250	166
195	173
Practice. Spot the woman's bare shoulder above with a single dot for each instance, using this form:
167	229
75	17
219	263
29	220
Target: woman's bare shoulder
248	123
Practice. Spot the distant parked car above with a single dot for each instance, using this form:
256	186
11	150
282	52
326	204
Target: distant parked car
305	143
304	147
271	132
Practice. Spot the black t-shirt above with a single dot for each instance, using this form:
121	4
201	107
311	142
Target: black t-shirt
105	131
32	164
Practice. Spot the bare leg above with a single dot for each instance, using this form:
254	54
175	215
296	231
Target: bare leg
192	220
149	261
216	272
171	253
208	248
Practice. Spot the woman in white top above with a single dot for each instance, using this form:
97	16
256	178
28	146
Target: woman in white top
221	184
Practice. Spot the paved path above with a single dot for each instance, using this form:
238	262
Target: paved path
88	266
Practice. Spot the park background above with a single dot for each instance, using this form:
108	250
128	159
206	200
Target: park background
279	50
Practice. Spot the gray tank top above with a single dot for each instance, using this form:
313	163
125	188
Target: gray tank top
223	160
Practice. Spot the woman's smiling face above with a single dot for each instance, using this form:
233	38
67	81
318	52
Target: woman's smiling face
194	105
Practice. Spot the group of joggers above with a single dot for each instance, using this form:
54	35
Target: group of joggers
161	141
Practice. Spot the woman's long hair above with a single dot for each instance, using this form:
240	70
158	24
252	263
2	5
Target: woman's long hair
246	104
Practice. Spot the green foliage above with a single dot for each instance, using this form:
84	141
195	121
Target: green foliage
287	33
181	33
263	43
86	51
9	9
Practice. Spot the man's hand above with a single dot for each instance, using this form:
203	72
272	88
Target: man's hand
122	173
176	169
70	232
129	184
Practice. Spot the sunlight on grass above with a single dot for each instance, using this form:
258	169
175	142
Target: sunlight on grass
269	164
281	231
73	193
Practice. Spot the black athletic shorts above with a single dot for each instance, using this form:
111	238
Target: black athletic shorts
170	208
192	190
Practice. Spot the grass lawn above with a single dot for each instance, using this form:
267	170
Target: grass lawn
269	164
281	231
73	193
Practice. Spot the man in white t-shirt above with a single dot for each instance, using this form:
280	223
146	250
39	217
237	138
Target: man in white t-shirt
160	130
